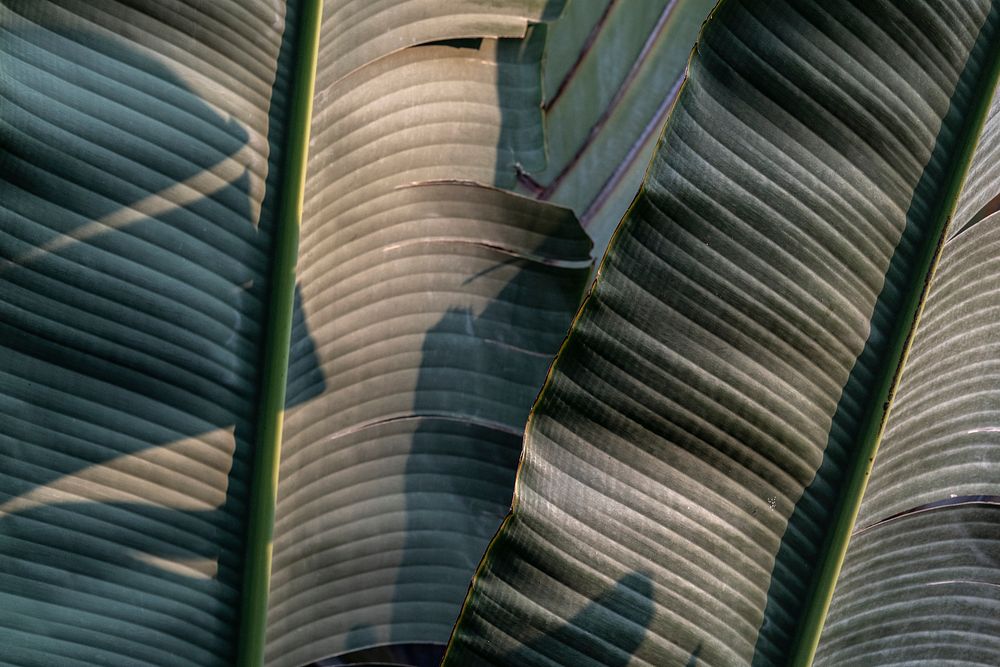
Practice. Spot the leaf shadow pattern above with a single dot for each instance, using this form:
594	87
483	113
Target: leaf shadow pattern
693	660
621	614
480	367
470	479
134	258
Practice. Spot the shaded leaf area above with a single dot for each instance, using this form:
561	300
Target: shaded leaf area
611	73
921	577
719	376
136	202
436	301
625	609
389	655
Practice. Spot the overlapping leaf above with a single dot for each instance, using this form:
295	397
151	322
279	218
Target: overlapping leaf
682	465
612	71
436	302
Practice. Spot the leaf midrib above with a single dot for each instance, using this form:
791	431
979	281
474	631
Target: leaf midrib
277	342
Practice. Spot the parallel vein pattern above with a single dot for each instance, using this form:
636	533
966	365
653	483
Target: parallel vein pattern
134	236
682	462
980	195
922	577
436	303
369	29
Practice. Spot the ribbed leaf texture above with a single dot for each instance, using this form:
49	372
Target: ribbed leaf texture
688	455
683	463
921	582
436	303
611	73
139	161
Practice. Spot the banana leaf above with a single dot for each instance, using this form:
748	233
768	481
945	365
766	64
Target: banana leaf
150	188
693	468
138	173
695	464
922	572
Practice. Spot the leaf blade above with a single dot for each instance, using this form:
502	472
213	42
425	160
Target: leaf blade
436	300
135	231
928	520
685	394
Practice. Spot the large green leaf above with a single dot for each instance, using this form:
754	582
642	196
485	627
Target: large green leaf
698	453
137	197
138	222
921	580
436	302
684	464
